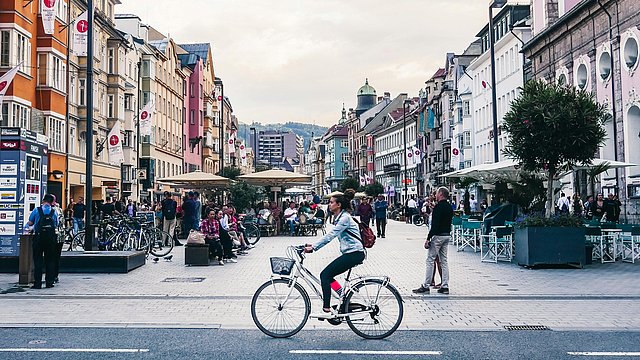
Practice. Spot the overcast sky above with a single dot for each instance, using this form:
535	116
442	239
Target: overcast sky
299	60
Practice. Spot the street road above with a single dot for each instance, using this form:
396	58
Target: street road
123	343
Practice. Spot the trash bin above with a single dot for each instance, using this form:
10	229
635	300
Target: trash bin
25	260
588	254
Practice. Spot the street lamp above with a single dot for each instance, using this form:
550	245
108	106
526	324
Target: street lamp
494	106
404	134
255	148
218	83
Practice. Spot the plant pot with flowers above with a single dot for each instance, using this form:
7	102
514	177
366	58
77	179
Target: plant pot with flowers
552	128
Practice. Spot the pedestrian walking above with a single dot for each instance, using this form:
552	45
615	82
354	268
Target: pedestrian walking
60	229
613	208
381	207
365	211
44	221
196	198
563	204
189	214
438	241
79	209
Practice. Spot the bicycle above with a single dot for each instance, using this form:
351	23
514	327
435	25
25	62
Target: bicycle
251	230
370	305
420	219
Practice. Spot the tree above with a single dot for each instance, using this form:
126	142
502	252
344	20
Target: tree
374	189
552	128
349	183
230	172
243	195
593	172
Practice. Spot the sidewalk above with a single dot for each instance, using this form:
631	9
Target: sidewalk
483	295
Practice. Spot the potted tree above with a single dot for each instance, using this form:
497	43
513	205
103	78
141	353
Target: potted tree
552	128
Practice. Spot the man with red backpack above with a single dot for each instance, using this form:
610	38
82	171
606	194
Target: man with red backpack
44	220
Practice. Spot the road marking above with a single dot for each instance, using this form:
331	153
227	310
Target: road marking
75	350
365	352
603	353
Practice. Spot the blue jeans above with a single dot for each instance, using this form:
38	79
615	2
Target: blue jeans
78	224
292	226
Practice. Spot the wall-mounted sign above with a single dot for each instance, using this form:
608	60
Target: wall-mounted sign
7	229
7	196
8	183
8	216
9	169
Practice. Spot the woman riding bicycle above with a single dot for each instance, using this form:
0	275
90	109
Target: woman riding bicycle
348	232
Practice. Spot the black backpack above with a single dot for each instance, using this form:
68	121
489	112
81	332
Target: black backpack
46	226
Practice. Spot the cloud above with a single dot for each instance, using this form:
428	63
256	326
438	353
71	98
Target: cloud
299	60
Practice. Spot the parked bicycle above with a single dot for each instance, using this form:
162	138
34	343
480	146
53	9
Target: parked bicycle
370	305
420	219
251	230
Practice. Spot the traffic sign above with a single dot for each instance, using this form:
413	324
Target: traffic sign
141	174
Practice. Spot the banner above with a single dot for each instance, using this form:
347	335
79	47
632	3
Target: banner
243	154
431	119
114	146
410	156
326	189
80	35
145	119
455	150
232	143
6	79
362	181
48	10
417	155
368	179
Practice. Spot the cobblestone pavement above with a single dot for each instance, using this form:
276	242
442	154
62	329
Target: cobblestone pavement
484	296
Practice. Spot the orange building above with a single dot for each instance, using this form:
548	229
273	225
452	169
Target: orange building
37	99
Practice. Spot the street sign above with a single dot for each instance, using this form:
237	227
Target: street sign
141	174
406	181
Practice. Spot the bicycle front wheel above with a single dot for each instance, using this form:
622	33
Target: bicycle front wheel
161	242
418	220
77	243
380	305
280	309
253	233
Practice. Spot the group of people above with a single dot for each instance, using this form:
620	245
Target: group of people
601	208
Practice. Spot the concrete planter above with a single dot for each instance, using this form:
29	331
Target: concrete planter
549	246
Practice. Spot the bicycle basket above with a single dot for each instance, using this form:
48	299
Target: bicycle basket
281	265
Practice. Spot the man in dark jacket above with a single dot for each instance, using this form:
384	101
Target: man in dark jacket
438	241
190	218
44	220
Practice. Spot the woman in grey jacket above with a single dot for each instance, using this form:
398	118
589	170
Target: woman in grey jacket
348	233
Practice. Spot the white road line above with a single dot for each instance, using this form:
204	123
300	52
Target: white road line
603	353
75	350
365	352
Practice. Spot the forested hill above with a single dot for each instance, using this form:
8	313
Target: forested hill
304	130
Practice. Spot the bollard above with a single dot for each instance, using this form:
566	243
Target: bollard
25	261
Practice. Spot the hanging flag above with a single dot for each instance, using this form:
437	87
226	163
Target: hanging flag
409	156
80	35
326	189
243	154
48	10
145	119
114	146
232	143
362	181
417	155
368	179
455	150
431	119
6	79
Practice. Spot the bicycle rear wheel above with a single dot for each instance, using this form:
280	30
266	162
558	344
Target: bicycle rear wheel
161	242
381	305
253	233
279	309
77	243
418	220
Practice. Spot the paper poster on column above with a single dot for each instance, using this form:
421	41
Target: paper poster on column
48	10
114	147
80	35
455	150
145	118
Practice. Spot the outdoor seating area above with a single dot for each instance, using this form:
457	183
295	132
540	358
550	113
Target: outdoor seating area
612	242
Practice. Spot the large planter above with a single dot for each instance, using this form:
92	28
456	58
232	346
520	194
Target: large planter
550	246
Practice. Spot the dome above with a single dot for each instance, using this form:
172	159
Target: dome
367	89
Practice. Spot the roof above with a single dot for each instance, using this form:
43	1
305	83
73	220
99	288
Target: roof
189	60
440	73
201	50
366	89
161	45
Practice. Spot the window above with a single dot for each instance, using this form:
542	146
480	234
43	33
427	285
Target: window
184	111
127	101
83	92
110	65
72	140
16	115
23	52
55	132
83	144
201	117
192	117
344	157
630	53
344	143
191	89
466	139
4	47
110	110
201	91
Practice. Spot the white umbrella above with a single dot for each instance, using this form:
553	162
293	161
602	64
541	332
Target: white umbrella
197	179
275	178
296	190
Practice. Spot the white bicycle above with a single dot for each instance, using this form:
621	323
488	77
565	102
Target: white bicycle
371	306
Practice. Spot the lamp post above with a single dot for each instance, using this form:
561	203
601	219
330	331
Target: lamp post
89	236
218	82
404	135
255	149
494	106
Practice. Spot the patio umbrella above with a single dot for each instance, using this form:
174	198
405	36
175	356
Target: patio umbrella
335	193
275	178
296	190
197	179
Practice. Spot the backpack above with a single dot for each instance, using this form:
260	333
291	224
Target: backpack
46	226
366	235
564	208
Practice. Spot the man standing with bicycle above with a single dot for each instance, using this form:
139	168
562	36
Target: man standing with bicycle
168	207
438	241
78	215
